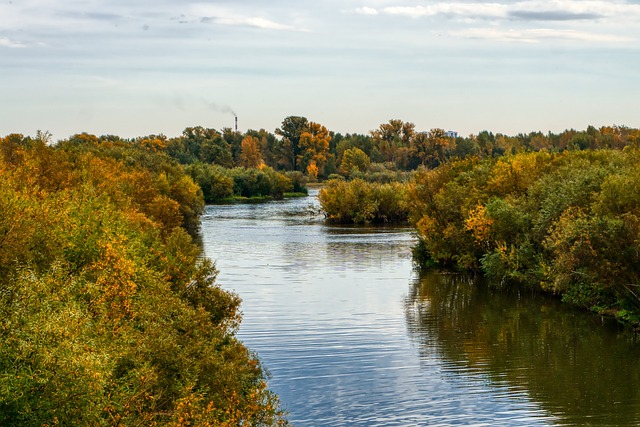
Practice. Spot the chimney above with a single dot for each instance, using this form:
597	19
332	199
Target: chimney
236	123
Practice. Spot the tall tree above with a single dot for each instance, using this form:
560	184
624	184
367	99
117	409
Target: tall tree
250	156
314	147
291	130
389	137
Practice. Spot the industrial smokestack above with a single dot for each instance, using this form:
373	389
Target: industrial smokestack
236	123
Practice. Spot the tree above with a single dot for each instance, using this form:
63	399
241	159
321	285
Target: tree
250	156
314	147
269	146
291	130
198	143
391	136
354	159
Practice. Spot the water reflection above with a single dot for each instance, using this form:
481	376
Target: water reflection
579	370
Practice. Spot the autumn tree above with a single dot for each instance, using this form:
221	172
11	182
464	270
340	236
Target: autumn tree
291	131
389	137
153	143
314	147
250	156
269	147
109	313
354	159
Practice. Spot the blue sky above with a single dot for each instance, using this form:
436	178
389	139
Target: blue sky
139	67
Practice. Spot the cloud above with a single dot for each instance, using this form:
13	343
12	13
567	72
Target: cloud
551	15
366	11
564	10
207	14
573	9
536	35
536	10
6	42
474	10
252	21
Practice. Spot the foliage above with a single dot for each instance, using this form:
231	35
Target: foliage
357	201
291	130
354	160
250	156
219	183
566	223
314	148
108	313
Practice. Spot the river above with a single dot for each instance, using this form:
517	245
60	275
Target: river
352	335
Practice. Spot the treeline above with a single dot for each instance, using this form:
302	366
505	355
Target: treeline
109	313
259	163
385	154
209	165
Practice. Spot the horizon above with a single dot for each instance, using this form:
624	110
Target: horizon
367	133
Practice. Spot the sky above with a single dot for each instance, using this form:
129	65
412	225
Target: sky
139	67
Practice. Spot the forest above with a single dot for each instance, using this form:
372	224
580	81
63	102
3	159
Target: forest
111	315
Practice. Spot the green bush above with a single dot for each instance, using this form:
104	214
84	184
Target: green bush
357	201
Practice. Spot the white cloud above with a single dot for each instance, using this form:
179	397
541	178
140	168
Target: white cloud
366	11
477	10
535	10
6	42
577	8
536	35
209	13
252	21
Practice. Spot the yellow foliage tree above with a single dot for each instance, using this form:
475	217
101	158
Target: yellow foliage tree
479	224
250	156
314	147
312	170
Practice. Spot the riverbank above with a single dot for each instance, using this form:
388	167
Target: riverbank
565	223
257	199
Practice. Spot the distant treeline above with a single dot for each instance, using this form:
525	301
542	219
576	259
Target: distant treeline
386	154
109	313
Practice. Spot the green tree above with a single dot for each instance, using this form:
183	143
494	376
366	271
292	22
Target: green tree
354	159
291	130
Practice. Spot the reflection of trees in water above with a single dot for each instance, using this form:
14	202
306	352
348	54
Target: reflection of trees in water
348	248
583	371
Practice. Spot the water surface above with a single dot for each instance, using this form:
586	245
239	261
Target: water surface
353	336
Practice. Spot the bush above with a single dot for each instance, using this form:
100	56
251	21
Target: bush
357	201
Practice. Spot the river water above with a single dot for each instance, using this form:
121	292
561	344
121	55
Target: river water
353	336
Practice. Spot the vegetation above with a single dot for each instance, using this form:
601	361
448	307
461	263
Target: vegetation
358	201
220	184
109	314
556	212
566	223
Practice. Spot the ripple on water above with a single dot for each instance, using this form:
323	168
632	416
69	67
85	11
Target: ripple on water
349	338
